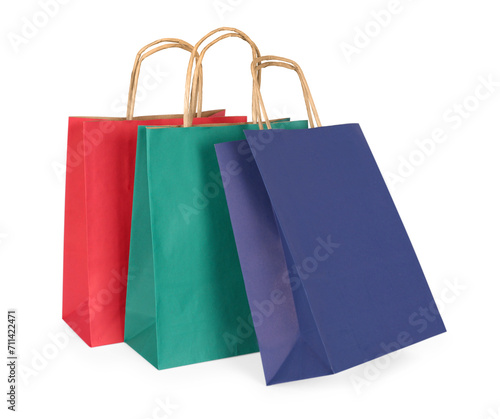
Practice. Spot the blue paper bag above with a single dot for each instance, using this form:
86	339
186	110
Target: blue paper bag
330	273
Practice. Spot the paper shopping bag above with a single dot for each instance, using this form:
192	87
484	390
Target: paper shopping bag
331	276
186	301
99	188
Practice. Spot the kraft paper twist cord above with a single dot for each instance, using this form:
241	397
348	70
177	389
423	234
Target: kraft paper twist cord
191	94
171	43
273	60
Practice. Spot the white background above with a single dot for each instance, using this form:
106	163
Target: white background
429	58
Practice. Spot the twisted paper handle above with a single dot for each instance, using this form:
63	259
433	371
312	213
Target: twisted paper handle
272	60
141	56
192	96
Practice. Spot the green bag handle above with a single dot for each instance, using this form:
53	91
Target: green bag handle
192	96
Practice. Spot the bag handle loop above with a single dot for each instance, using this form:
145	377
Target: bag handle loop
258	64
142	55
192	96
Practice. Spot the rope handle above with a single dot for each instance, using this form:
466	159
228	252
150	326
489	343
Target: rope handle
258	64
192	96
141	56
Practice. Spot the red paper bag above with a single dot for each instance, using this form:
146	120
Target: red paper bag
99	188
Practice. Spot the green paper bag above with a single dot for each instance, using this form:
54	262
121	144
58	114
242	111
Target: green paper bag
186	300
